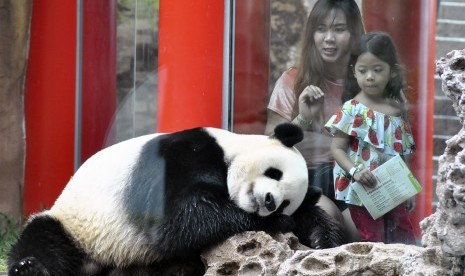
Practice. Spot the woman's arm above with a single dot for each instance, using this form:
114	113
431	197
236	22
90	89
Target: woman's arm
272	120
315	146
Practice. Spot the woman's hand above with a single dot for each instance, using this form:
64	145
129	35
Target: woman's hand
311	103
366	178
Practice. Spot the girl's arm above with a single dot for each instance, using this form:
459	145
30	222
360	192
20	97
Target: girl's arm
339	148
310	111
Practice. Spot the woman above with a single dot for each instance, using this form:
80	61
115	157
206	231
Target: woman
310	93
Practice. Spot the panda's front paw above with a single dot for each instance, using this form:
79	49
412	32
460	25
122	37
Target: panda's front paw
279	224
29	266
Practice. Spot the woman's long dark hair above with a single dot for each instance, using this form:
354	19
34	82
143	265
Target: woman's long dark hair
310	64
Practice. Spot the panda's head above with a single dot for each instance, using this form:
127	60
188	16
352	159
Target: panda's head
269	175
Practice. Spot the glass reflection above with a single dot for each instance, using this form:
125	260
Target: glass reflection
287	26
137	76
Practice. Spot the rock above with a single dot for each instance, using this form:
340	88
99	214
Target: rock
257	253
451	70
251	253
446	227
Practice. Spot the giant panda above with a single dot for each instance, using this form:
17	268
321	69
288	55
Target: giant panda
139	206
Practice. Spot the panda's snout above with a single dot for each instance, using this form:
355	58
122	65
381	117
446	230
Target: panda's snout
270	204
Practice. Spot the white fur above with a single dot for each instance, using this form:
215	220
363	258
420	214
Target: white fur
250	156
92	201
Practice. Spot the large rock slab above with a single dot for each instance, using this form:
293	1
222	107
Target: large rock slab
257	253
446	227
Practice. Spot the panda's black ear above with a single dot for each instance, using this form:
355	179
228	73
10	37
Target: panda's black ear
289	134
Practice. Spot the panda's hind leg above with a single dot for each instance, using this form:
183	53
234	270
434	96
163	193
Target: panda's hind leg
28	266
44	248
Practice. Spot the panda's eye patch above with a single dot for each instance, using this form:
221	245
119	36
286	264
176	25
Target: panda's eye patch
273	173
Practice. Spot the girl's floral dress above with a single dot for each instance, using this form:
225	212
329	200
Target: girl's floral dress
374	138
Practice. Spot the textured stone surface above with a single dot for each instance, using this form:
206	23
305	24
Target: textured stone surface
451	70
257	253
446	227
251	253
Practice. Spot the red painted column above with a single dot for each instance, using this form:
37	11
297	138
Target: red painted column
98	74
190	64
412	25
49	103
51	93
251	65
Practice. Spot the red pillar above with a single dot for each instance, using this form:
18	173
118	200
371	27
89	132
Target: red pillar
98	74
49	103
412	25
190	64
50	96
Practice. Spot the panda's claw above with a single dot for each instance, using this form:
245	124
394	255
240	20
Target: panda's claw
28	266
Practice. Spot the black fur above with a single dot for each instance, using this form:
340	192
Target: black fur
197	212
289	134
314	227
274	173
44	244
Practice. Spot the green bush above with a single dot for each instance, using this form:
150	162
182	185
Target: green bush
9	232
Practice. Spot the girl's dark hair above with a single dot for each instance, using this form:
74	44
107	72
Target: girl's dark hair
381	45
310	66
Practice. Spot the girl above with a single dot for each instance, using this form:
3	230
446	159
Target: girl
370	129
310	93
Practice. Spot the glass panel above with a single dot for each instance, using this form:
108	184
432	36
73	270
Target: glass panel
137	76
277	27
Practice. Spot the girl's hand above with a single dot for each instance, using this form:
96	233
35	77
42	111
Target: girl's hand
311	102
366	178
411	204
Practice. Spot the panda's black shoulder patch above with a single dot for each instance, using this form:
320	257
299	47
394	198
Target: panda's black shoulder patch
193	156
168	165
144	195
